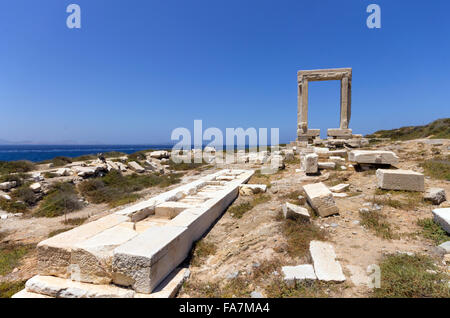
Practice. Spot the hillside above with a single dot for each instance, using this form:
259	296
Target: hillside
438	129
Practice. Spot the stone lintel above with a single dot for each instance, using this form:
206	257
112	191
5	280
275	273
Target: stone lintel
338	132
325	74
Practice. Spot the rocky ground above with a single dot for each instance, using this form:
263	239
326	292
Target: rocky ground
243	256
243	252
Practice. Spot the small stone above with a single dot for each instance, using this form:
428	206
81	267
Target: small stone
292	211
435	195
233	275
445	247
255	294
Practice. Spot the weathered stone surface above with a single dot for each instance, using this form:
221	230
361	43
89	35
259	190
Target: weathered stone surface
310	163
25	294
36	187
442	217
406	180
171	209
170	286
8	185
159	154
340	188
435	195
339	133
136	167
5	196
54	254
93	257
289	154
63	172
292	211
445	247
64	288
327	165
254	188
145	261
373	157
325	265
321	199
291	274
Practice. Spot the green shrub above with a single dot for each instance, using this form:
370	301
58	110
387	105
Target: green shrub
117	189
61	199
7	167
433	231
7	289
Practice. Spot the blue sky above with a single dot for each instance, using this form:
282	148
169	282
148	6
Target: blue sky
138	69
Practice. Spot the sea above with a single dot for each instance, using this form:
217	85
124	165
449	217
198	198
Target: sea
38	153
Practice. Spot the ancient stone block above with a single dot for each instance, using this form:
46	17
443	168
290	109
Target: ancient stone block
54	254
292	274
64	288
292	211
136	167
321	199
407	180
325	265
373	157
147	259
310	163
93	257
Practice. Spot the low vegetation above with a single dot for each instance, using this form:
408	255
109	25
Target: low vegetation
299	233
117	189
398	199
61	199
292	197
337	177
75	221
7	289
201	251
7	167
238	210
411	277
433	231
439	129
59	231
378	223
437	167
11	255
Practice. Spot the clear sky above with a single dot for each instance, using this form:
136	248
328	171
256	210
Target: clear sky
138	69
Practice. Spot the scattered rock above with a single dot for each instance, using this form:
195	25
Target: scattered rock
255	294
36	187
340	188
8	185
321	199
435	195
445	247
292	211
136	167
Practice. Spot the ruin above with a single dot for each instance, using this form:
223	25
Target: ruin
340	135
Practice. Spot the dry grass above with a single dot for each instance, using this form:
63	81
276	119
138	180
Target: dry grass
299	234
7	289
201	251
433	231
377	222
238	210
407	277
437	168
11	255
